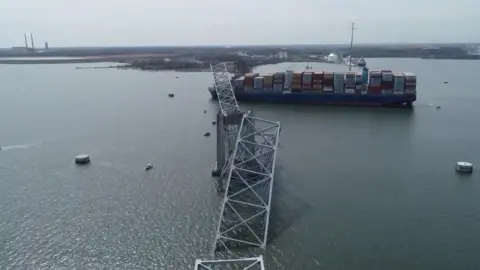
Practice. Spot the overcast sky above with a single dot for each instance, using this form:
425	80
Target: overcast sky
222	22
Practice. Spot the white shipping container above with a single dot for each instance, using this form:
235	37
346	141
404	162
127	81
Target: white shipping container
258	83
349	91
278	87
327	89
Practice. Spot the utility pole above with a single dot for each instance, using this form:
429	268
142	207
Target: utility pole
351	46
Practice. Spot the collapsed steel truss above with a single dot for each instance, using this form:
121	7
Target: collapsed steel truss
246	205
223	87
246	156
255	263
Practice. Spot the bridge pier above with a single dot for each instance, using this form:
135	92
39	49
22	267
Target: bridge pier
227	131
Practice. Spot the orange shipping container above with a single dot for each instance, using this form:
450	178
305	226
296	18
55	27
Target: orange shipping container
318	76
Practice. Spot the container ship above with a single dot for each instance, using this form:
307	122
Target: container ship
365	88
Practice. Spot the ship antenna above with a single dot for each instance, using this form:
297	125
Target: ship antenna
351	46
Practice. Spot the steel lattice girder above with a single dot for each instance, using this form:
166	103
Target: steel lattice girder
246	205
255	263
224	89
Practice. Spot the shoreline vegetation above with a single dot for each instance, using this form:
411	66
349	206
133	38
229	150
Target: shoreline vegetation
190	59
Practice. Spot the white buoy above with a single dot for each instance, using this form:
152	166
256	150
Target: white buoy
82	159
148	167
465	167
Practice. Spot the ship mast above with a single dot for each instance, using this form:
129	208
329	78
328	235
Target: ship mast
351	46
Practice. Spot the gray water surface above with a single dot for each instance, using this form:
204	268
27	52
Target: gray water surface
355	188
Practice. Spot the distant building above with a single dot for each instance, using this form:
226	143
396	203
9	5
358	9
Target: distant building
259	57
332	58
282	55
20	49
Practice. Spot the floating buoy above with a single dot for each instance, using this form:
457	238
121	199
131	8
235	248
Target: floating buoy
214	122
82	159
445	82
438	107
176	77
464	167
148	167
206	134
171	95
205	111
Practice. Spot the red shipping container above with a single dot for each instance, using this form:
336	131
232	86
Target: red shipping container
387	85
248	82
374	89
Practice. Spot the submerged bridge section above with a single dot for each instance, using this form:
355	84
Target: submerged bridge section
255	263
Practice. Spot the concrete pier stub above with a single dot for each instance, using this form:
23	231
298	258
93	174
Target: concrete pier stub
227	131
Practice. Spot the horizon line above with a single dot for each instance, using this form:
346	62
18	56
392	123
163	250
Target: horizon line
257	45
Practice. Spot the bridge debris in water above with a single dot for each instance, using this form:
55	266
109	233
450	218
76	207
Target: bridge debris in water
255	263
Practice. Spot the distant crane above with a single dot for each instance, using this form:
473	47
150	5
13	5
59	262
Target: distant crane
351	47
33	44
26	41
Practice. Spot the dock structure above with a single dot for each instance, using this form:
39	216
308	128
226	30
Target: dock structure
254	263
246	156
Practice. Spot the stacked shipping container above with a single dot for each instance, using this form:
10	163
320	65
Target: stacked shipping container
375	82
268	81
328	81
278	81
338	82
317	84
350	81
387	82
296	84
410	83
359	87
307	78
398	83
248	81
258	83
379	82
238	83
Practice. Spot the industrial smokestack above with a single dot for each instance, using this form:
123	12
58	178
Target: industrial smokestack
33	44
26	42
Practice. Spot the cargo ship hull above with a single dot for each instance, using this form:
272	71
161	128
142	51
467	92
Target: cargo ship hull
324	98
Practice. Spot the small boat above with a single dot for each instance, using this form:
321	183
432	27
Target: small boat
464	167
148	167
